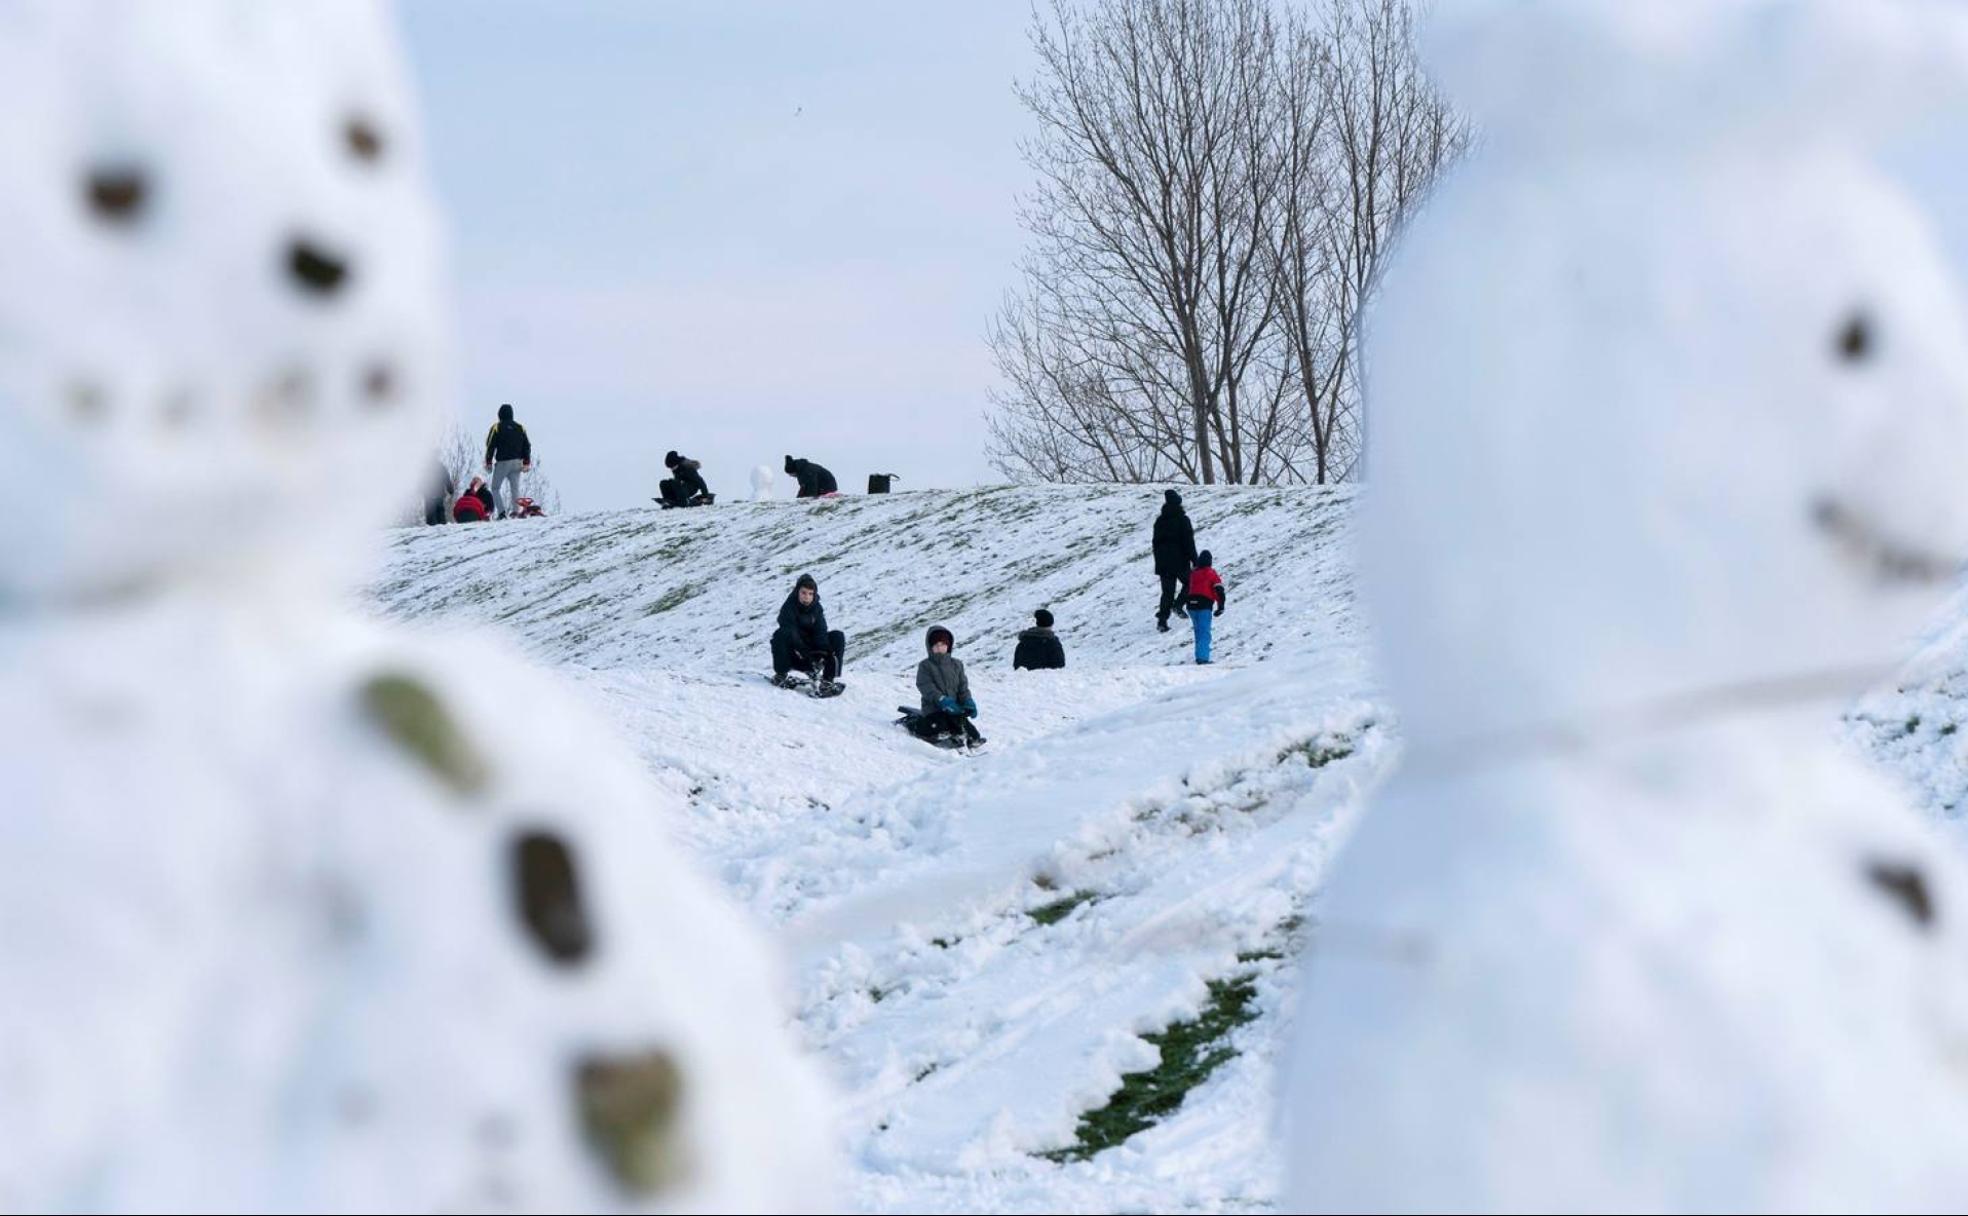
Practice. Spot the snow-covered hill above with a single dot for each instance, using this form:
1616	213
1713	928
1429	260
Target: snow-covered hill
1074	940
982	942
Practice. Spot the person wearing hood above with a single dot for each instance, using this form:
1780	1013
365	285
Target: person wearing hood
947	706
803	639
1038	647
689	477
508	453
814	480
1175	556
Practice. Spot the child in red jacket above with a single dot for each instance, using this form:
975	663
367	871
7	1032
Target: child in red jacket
1206	599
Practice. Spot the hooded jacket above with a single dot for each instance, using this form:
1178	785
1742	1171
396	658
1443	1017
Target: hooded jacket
507	439
807	622
941	675
1175	540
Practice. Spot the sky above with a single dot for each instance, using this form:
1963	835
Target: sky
733	228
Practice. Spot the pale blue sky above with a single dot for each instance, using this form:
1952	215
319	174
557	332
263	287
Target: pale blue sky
737	229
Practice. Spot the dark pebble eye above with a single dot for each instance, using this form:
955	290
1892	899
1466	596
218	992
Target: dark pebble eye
379	385
364	141
315	270
1854	341
549	893
117	194
1905	885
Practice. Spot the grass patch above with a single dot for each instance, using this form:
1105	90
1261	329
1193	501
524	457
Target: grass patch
1319	752
1191	1051
673	598
1059	909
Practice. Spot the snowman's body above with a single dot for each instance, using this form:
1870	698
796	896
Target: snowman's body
1669	413
304	912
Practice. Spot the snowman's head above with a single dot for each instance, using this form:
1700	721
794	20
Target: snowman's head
220	340
1675	401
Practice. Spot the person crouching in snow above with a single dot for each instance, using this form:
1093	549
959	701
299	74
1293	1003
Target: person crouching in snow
803	639
1038	647
947	707
1206	600
474	506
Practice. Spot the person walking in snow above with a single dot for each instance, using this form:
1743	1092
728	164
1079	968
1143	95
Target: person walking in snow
1206	600
508	453
947	706
803	639
814	480
689	475
1175	556
1038	648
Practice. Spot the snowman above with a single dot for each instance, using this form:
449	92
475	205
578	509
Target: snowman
1670	401
300	911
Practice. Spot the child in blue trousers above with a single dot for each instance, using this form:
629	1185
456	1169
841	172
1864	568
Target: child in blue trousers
1206	600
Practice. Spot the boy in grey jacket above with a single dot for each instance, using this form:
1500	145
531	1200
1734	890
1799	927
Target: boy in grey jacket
947	706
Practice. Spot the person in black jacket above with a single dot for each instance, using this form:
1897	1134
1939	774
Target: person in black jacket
803	639
1038	647
437	494
689	476
1175	556
814	480
508	453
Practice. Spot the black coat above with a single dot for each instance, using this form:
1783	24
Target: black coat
507	441
1038	649
814	479
1175	542
807	624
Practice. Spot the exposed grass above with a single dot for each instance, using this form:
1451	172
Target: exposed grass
1191	1051
672	598
1059	909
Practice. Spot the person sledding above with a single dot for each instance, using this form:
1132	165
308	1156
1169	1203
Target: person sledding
475	504
1206	600
1038	648
685	487
814	480
804	642
947	706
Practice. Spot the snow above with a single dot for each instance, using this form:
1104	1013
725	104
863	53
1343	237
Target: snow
292	917
964	1035
1668	429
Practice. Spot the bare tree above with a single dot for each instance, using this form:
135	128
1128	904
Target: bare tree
1216	189
1136	348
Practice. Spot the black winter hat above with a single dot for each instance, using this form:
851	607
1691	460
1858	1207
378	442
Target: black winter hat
1172	498
670	459
1044	618
806	580
1203	559
789	464
505	413
938	631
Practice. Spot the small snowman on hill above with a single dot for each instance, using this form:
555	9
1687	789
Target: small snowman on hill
301	911
1670	389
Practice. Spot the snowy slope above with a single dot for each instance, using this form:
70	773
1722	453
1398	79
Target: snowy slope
982	940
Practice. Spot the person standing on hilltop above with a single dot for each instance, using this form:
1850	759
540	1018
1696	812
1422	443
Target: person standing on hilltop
508	453
1175	557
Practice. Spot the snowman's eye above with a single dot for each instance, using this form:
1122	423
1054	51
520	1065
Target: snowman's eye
116	193
1854	340
363	140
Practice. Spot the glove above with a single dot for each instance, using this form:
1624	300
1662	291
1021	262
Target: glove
969	708
947	704
526	466
488	466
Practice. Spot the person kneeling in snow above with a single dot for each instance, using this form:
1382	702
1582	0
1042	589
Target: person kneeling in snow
1038	647
1206	599
803	639
947	707
475	504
